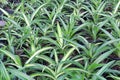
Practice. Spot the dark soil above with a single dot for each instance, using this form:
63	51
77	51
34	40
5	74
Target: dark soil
14	1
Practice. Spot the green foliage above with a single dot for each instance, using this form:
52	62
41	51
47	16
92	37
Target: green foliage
4	1
60	40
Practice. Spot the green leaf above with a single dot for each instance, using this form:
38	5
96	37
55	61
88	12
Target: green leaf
60	36
68	54
40	67
37	53
15	58
103	56
46	58
35	12
5	12
104	68
20	74
4	72
115	77
65	57
26	20
116	8
93	66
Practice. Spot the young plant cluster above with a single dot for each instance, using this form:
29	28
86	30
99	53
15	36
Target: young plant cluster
60	40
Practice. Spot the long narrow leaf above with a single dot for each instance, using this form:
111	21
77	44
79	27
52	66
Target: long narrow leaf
15	58
20	74
36	53
4	72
